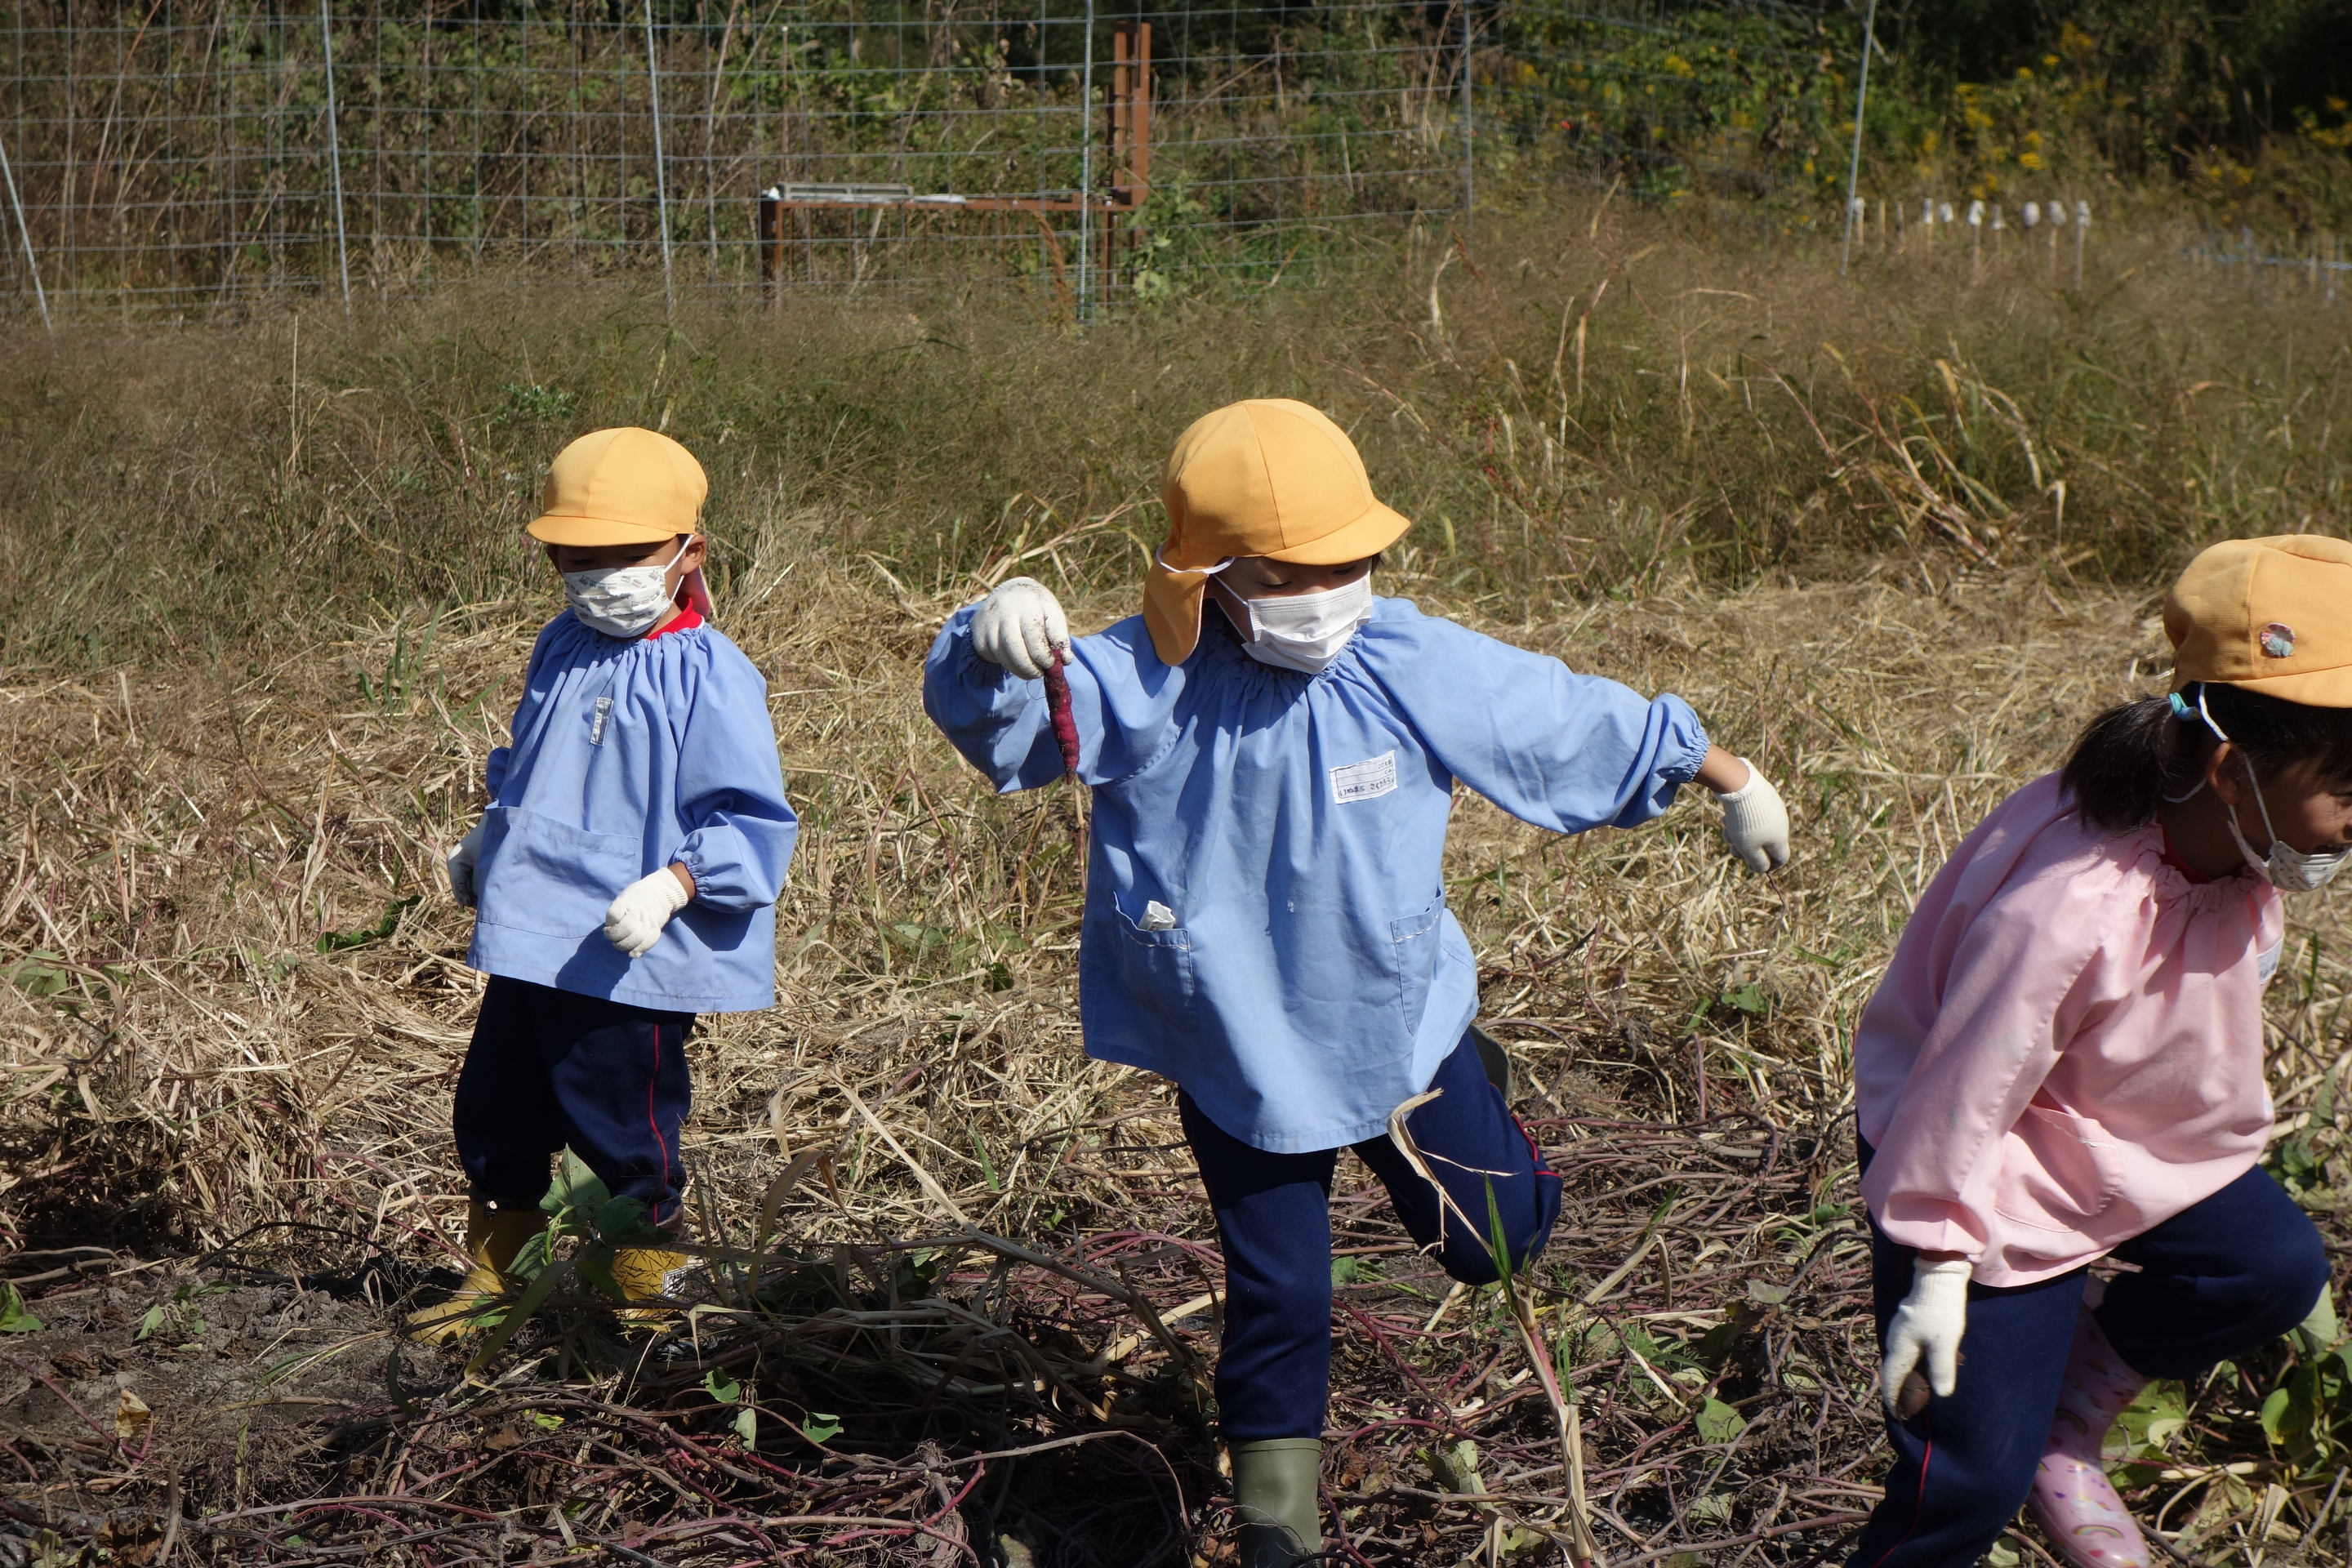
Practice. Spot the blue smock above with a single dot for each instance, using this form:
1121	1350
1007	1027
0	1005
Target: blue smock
1294	826
627	755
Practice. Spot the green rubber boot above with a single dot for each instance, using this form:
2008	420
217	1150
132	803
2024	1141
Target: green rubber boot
1497	1061
1277	1491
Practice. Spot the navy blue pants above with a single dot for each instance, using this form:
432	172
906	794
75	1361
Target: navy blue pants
2218	1279
1273	1222
548	1068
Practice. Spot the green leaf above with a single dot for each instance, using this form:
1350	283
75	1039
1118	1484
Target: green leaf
1748	999
152	1321
14	1319
2149	1421
2274	1415
534	1255
536	1293
725	1390
595	1266
1718	1421
1498	1246
36	978
576	1186
820	1428
2319	1329
1457	1468
339	941
623	1220
747	1427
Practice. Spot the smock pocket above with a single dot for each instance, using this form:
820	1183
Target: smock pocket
1413	943
2058	1171
1154	968
548	878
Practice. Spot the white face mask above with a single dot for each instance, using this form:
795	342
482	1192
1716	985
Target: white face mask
1305	631
2289	869
623	601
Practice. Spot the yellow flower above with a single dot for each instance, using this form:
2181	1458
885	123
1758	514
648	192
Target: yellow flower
2029	160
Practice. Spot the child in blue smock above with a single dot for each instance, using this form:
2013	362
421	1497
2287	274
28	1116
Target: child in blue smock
1265	921
626	871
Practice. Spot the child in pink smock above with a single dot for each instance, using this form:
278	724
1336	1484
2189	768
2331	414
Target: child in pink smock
2064	1063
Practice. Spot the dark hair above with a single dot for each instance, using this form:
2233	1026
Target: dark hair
2132	756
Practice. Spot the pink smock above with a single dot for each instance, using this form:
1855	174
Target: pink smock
2067	1048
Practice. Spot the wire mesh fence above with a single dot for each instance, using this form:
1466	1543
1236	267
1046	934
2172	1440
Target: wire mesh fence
175	156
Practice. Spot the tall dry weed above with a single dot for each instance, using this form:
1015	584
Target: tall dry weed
268	613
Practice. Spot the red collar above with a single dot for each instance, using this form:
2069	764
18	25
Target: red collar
686	620
2178	864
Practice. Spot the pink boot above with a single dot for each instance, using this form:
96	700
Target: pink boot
2072	1498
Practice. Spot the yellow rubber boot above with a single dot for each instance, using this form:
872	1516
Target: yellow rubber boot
643	1274
493	1236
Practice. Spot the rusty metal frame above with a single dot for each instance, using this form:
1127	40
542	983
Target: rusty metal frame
1129	110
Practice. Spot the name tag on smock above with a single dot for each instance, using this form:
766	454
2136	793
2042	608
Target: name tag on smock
1367	779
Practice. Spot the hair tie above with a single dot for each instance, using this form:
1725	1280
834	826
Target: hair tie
2182	709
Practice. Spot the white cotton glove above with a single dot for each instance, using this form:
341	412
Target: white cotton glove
1927	1326
1756	822
462	861
633	922
1020	626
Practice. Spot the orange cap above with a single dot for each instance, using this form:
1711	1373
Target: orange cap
2272	616
1268	477
625	486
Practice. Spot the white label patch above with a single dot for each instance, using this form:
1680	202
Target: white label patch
1367	779
2267	963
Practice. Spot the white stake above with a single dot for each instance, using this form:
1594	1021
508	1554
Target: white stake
1853	164
32	264
661	178
335	151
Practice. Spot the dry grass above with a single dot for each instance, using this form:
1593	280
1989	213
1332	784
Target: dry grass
204	1079
1588	400
973	1267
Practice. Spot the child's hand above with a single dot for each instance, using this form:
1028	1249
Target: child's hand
633	922
462	861
1756	822
1021	626
1927	1326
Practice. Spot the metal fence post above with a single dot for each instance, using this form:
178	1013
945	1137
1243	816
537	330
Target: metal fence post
661	176
1861	101
32	263
1469	129
1087	175
335	152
